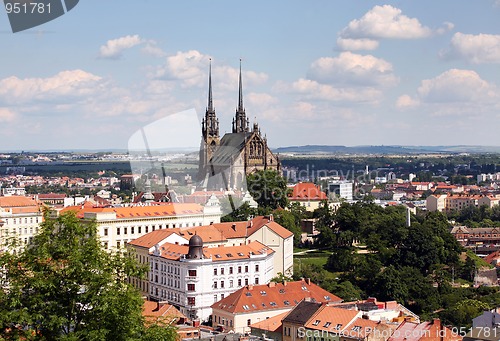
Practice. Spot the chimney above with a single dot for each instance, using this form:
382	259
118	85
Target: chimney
284	283
308	281
250	287
272	284
233	227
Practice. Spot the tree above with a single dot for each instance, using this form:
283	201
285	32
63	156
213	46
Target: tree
268	188
64	286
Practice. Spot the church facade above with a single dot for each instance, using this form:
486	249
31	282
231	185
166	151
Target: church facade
225	162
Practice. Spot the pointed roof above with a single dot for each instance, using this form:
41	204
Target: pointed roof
240	96
210	101
273	296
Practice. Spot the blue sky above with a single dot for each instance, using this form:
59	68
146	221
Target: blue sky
316	72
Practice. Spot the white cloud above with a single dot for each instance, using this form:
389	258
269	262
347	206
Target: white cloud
447	26
357	44
113	48
381	22
68	84
312	90
477	49
353	69
457	86
191	68
151	48
406	101
7	115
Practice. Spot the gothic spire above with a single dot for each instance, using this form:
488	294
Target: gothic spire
240	98
210	124
210	102
241	122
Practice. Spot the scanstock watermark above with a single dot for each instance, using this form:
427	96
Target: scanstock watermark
26	14
385	333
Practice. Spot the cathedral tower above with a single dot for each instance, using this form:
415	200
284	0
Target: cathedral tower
209	129
240	122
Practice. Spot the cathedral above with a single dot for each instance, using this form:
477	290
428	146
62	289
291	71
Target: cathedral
225	162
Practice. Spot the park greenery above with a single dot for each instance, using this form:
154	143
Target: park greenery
365	250
65	286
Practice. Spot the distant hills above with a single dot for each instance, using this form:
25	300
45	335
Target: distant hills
323	149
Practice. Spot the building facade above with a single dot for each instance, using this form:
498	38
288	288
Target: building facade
119	225
225	162
20	218
192	277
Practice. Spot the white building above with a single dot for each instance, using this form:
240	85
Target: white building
119	225
342	189
194	277
20	217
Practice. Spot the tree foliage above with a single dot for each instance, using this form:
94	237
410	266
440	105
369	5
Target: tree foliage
64	286
268	188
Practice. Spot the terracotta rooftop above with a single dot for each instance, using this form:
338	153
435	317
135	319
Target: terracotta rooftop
161	210
329	318
214	233
273	296
307	191
272	324
17	201
152	311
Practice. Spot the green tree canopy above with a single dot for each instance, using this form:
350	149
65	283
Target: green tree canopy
65	286
268	188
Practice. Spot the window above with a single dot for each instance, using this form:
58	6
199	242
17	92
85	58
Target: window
245	307
192	273
215	285
215	272
230	270
105	232
256	280
246	268
132	230
222	271
231	283
139	228
256	267
239	282
286	302
246	281
117	231
249	322
124	230
239	269
147	229
191	301
222	284
316	322
191	287
215	300
356	328
118	244
273	304
327	324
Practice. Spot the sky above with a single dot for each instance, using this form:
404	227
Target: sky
314	72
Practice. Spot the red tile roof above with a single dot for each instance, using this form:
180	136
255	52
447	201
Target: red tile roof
273	296
329	318
412	331
307	191
153	311
160	210
218	254
272	324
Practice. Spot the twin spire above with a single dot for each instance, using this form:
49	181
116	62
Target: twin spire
240	121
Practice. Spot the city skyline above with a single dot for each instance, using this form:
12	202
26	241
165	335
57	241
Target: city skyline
328	73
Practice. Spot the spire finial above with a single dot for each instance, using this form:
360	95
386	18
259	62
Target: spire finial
210	102
240	98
